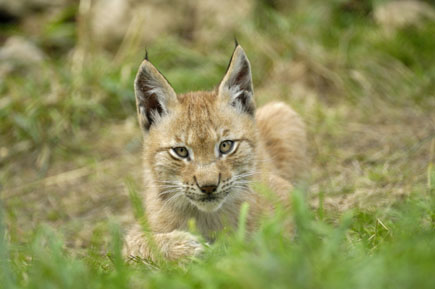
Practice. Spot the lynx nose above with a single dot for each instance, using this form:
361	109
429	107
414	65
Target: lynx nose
206	183
208	189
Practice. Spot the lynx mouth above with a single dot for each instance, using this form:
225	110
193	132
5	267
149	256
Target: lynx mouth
210	203
209	199
206	199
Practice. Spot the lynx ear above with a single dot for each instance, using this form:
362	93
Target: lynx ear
153	95
236	85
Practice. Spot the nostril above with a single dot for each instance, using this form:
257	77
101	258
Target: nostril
208	189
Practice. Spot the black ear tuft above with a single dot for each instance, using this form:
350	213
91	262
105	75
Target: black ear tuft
146	54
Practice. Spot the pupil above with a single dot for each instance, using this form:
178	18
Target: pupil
181	151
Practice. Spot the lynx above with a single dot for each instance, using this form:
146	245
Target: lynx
202	152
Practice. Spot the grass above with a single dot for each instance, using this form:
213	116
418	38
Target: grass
359	251
70	165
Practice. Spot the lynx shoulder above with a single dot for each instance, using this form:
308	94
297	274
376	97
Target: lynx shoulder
202	151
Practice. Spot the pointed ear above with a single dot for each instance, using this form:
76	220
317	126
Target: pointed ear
236	86
154	95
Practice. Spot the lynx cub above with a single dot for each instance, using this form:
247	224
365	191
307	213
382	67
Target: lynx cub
202	150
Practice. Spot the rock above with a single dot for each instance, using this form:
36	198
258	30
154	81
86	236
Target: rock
19	8
148	20
203	20
18	53
398	14
109	20
217	18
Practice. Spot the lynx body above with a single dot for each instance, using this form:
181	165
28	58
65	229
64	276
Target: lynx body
202	151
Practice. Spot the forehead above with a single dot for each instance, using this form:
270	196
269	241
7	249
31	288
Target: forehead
200	118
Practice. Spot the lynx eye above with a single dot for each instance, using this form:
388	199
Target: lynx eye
226	147
180	152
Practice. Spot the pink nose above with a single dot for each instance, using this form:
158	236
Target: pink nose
208	189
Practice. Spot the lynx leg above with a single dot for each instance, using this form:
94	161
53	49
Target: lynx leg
174	245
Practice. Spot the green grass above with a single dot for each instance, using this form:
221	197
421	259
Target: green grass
364	249
70	165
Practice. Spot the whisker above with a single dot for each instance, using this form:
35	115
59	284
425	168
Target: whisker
174	186
170	182
242	181
244	175
168	201
169	191
239	186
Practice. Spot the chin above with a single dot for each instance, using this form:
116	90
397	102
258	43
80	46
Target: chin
209	206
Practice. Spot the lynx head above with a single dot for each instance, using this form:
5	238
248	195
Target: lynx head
199	146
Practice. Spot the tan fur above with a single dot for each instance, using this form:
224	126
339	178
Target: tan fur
283	132
270	149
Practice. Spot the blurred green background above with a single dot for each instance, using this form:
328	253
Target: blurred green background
360	72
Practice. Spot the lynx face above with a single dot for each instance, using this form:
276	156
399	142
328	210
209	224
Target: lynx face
200	146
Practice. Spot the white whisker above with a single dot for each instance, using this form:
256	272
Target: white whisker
244	175
170	191
174	186
170	182
168	201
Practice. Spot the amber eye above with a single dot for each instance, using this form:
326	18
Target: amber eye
181	152
226	146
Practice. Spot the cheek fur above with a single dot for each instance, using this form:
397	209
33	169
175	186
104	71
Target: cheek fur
165	167
243	158
239	162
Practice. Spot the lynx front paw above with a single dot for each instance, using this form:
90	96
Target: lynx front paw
174	245
178	245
